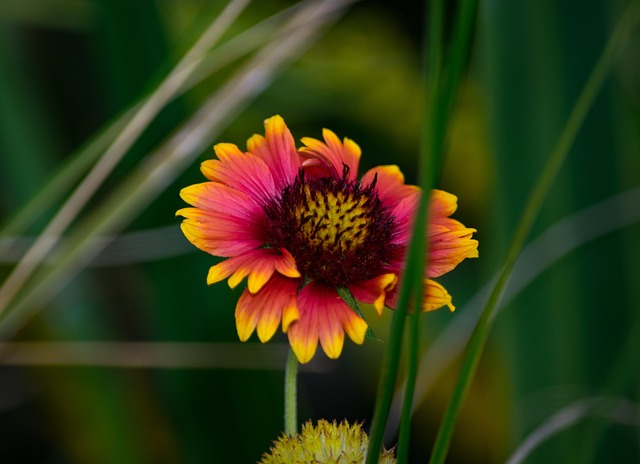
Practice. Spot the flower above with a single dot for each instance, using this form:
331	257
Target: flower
301	227
324	443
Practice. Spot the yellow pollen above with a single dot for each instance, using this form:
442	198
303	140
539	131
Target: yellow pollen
337	222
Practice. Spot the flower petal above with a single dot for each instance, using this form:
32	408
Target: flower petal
241	171
277	149
258	264
374	291
325	316
220	234
219	198
389	184
224	222
442	204
265	308
435	296
448	248
404	213
334	153
286	265
449	240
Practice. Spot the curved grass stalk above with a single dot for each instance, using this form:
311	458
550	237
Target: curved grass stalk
534	204
152	355
167	162
614	410
62	180
116	151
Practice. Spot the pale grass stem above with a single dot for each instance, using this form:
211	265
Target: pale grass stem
116	151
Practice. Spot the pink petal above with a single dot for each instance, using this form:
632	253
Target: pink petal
277	149
324	316
265	309
241	171
258	264
374	291
333	153
389	184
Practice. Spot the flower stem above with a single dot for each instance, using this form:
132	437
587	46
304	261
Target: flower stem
534	204
291	395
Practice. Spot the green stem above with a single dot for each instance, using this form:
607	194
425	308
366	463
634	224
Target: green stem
442	85
459	53
412	374
438	104
534	204
414	267
388	374
291	395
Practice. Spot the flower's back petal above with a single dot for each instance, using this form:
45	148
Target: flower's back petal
286	265
241	171
374	291
334	153
265	308
435	296
277	149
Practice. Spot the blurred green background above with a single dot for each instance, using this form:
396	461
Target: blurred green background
69	67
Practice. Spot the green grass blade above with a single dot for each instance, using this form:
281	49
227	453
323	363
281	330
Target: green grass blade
411	287
534	204
443	95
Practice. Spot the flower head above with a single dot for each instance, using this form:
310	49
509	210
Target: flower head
299	224
325	443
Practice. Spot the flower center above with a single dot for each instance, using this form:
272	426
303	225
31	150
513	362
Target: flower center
337	231
337	222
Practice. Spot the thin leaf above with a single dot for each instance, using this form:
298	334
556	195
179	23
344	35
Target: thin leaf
533	206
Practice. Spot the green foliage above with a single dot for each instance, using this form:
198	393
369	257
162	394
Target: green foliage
72	74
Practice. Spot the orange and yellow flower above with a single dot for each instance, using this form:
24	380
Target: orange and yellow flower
299	224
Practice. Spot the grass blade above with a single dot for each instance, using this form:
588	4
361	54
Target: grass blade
534	204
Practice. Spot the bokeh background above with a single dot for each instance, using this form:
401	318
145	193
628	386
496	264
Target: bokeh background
569	332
